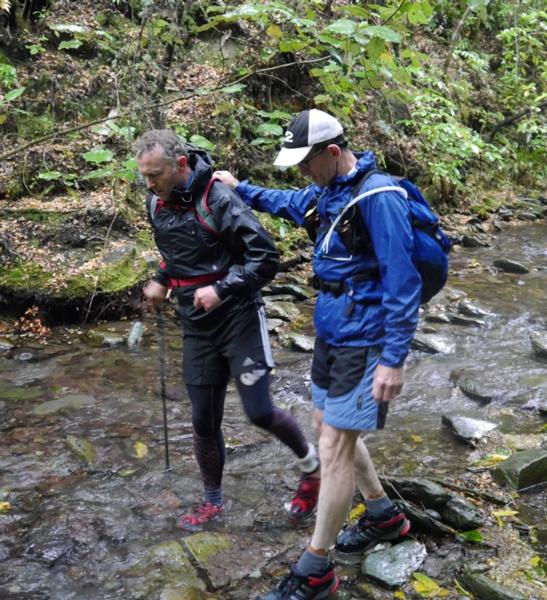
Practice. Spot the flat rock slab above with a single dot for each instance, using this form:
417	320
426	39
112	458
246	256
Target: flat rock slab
68	402
432	343
394	567
227	558
468	429
523	469
487	589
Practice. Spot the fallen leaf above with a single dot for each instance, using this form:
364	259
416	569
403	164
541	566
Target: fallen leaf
140	449
5	506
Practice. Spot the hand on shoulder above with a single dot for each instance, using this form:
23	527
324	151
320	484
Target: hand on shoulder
226	178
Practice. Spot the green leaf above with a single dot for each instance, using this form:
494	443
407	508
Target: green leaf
343	27
50	175
98	155
13	94
270	129
233	89
99	173
202	142
70	45
427	588
474	536
383	32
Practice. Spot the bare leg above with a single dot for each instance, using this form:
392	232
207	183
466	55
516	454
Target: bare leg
336	453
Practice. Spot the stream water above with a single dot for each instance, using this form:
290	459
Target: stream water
102	527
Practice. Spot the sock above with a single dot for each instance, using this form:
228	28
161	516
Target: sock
310	462
378	506
214	496
312	564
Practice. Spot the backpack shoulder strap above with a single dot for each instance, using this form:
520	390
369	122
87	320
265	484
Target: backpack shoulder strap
355	200
203	211
151	206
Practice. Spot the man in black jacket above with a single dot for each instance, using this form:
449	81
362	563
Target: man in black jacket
216	257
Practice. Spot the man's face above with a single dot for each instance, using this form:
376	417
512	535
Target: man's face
160	174
321	166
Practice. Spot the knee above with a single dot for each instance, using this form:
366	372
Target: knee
336	446
262	421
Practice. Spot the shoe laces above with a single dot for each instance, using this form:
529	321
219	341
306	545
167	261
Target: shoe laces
203	513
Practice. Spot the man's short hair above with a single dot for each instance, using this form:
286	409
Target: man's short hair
172	145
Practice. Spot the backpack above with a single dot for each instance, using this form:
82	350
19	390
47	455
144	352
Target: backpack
431	244
201	208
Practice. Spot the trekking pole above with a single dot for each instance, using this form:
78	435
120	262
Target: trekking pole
160	322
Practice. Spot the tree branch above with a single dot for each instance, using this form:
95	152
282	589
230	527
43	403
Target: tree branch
513	119
149	105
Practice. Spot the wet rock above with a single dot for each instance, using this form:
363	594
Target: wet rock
475	241
394	567
424	520
274	325
81	448
10	393
228	558
510	266
486	589
68	402
164	566
275	310
523	469
539	344
454	510
461	515
297	341
434	344
458	319
437	316
468	429
123	251
135	334
525	215
445	562
24	356
523	441
471	387
5	346
295	291
102	339
471	309
420	491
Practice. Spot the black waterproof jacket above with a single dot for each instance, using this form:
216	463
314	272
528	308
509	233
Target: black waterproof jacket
240	252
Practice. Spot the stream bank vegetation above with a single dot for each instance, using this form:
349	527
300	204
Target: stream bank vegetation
448	93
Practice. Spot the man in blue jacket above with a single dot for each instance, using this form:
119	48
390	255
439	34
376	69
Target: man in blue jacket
365	317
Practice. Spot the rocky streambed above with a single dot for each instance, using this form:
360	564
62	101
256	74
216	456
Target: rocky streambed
87	509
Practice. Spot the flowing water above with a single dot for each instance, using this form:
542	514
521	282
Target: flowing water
97	521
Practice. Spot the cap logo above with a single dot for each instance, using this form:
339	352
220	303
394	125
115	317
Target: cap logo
289	136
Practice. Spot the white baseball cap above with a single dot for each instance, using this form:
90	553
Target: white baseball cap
308	128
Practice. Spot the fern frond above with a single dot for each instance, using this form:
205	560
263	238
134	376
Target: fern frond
5	5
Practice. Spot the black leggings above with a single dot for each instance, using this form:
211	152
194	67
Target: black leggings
208	410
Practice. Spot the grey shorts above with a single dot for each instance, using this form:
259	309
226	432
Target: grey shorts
342	386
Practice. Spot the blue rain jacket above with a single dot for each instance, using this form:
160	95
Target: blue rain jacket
377	311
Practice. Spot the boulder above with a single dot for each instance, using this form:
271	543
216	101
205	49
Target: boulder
523	469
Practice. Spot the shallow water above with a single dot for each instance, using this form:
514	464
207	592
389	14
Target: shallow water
95	531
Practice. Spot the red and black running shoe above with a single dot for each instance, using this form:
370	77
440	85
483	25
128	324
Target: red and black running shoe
305	500
368	531
301	587
202	514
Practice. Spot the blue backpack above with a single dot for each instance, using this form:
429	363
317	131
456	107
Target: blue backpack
431	244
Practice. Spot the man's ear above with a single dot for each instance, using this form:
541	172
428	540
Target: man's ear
334	150
182	162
